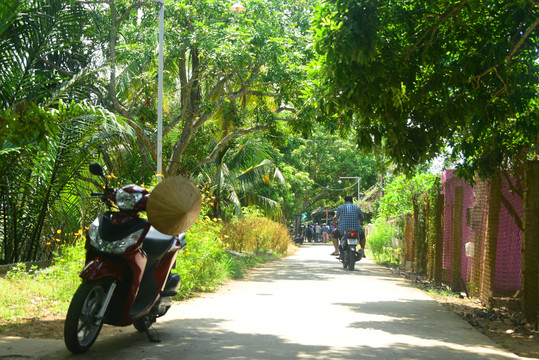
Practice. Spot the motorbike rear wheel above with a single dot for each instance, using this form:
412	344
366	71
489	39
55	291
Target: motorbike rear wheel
82	326
351	259
344	259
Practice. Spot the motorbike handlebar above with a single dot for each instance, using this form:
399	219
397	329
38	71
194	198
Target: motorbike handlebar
98	195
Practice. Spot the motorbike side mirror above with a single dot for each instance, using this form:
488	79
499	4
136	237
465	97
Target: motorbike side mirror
96	169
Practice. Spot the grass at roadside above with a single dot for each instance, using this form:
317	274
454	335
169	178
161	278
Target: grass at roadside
29	293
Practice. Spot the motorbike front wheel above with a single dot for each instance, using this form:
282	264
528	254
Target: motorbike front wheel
351	259
82	325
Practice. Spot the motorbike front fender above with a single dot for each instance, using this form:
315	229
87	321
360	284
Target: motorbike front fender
100	267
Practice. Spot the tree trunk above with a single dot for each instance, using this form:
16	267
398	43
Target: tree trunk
491	239
530	245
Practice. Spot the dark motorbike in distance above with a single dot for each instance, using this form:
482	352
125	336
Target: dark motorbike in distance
127	278
349	249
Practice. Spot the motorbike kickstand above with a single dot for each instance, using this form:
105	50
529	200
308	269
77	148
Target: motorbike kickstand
153	339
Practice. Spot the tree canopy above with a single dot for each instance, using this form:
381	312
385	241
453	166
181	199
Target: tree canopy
226	74
418	77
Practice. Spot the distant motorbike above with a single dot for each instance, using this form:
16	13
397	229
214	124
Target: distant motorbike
127	278
349	249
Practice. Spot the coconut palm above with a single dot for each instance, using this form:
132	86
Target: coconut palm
44	140
236	177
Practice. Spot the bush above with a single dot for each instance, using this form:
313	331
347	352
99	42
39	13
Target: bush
200	263
380	242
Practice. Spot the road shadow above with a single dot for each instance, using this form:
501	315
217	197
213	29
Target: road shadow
208	339
418	318
414	329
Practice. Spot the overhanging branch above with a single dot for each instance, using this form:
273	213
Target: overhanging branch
221	145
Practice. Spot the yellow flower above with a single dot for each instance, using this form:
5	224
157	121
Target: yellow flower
58	231
58	240
48	243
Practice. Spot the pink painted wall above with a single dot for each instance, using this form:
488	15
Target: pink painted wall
508	255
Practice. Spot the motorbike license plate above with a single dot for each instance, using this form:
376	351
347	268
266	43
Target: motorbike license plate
352	242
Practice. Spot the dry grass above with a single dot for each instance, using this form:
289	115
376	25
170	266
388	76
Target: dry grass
254	233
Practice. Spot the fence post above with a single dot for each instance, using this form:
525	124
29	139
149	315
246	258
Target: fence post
478	231
491	239
457	240
530	245
415	243
439	247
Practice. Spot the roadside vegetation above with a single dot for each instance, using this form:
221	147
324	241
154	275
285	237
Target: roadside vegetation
29	293
265	110
401	195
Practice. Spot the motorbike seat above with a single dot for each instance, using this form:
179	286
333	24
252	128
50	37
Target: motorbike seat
156	244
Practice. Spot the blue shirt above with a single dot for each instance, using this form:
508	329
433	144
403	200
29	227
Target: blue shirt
349	216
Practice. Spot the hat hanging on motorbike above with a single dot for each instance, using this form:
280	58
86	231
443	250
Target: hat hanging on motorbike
174	205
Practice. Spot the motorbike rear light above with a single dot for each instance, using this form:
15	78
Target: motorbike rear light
352	234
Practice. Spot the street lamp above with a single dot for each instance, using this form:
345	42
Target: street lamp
358	184
237	7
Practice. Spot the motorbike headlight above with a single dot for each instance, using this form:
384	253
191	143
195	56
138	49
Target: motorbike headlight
93	229
115	247
127	200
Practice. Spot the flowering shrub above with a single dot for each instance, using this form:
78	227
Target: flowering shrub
200	262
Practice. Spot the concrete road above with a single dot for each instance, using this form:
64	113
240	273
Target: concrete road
302	307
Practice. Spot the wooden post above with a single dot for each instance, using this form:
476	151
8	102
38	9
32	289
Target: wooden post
530	244
456	258
439	247
491	239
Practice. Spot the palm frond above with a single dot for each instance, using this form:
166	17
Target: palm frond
40	43
42	183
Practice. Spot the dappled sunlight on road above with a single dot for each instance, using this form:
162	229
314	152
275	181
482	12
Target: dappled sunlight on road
307	306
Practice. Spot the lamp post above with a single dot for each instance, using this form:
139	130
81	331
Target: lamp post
160	93
358	184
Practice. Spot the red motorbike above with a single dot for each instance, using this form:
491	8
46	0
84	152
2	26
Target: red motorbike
127	276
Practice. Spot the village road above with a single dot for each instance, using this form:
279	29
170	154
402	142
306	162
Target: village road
305	306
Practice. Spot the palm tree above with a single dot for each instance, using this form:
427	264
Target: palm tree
41	191
236	176
44	141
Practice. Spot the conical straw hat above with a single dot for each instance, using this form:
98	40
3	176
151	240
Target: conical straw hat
174	205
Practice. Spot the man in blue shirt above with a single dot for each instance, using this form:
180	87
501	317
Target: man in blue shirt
349	216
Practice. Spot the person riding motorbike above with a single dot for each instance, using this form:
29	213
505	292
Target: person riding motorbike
349	216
